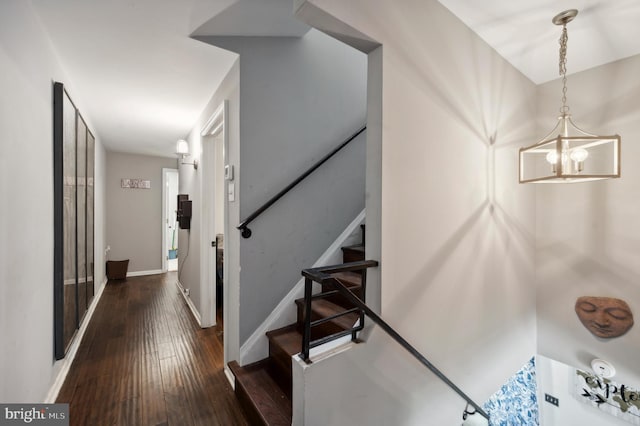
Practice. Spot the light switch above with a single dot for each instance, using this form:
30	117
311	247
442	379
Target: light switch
231	191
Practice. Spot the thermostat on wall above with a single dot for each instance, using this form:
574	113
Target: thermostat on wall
228	172
603	368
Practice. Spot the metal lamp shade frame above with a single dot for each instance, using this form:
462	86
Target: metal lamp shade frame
562	158
565	169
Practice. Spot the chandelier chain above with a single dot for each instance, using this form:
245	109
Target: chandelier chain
564	38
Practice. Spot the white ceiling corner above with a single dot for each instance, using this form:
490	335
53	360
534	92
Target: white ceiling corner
522	32
268	18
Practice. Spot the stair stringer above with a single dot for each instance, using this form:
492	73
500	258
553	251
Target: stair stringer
256	347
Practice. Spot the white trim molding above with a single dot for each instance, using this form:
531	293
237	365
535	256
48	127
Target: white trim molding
214	128
189	302
142	273
230	377
64	365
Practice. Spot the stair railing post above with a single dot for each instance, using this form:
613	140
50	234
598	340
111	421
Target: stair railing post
306	332
363	289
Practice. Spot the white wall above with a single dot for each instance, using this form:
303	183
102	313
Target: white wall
134	216
220	193
28	67
457	230
299	98
193	251
557	379
588	235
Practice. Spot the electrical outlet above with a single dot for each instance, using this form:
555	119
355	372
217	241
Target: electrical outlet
551	399
186	291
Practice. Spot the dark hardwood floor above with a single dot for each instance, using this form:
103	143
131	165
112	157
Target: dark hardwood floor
145	361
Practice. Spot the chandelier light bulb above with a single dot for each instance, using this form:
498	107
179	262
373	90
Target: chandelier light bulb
552	157
579	154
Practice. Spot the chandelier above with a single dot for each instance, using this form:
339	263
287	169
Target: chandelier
569	154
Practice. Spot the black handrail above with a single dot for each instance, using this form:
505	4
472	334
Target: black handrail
322	275
246	232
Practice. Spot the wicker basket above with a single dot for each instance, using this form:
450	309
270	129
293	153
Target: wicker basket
117	269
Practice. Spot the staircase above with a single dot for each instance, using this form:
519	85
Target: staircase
264	387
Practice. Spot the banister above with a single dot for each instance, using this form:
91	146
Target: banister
323	272
322	275
246	232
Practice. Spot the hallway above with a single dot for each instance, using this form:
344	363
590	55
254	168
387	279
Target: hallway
145	361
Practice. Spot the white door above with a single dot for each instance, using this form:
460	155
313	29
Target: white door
169	220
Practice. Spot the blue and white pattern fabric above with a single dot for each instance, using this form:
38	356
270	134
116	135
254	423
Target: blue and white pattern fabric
516	403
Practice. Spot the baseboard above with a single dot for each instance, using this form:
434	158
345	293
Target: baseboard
189	302
256	347
64	364
141	273
230	377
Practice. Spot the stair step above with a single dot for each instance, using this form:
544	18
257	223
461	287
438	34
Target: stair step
264	388
323	308
260	396
353	253
283	344
286	338
351	280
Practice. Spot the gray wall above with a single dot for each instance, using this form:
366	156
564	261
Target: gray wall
28	66
299	97
134	216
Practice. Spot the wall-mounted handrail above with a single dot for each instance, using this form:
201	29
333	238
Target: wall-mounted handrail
323	275
246	232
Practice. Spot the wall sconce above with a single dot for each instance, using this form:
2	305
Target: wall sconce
569	154
182	150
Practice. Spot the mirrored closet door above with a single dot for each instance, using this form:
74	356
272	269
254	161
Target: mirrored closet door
74	166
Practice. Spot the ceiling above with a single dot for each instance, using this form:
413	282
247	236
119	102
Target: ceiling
255	18
143	81
522	32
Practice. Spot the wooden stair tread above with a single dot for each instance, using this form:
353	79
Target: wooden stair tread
349	279
264	388
288	338
323	308
283	344
266	403
353	253
355	247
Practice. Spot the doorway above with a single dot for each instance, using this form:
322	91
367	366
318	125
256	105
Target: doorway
214	221
169	220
